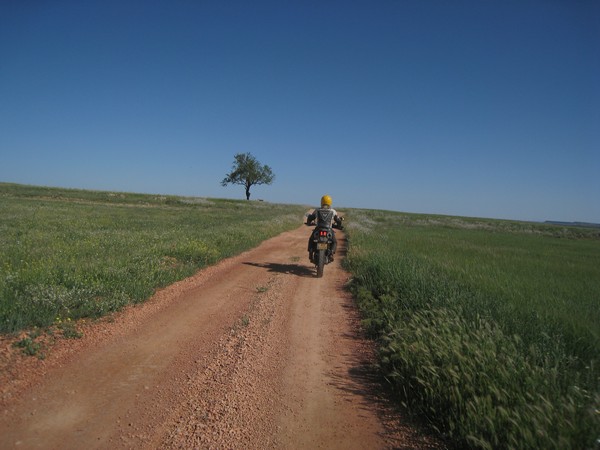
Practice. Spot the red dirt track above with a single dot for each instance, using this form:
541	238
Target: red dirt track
254	352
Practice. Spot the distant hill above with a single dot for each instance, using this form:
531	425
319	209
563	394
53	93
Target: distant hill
573	224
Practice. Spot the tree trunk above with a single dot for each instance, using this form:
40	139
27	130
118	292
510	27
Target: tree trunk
247	192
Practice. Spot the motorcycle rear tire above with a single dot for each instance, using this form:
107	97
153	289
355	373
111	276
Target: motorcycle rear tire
320	263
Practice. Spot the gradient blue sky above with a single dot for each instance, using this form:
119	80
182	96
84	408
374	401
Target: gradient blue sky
473	108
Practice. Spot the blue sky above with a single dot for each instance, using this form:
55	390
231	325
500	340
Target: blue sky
472	108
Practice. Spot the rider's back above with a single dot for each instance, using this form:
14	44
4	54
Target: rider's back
325	217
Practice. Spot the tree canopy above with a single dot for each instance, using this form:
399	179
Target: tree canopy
247	171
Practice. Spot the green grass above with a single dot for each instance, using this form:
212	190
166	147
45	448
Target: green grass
490	329
70	254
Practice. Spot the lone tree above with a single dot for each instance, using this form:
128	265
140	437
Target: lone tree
247	171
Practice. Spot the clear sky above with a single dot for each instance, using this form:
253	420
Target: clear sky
474	108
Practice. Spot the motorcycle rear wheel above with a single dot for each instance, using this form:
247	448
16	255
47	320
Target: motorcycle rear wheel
320	263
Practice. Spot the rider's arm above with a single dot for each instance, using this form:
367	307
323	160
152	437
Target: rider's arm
337	219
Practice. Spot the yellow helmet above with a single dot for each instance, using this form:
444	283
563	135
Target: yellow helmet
326	201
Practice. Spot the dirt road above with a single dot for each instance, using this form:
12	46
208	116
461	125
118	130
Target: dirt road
254	352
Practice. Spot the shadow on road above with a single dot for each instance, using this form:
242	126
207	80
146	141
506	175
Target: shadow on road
292	269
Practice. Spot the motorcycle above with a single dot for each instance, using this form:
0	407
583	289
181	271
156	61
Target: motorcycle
322	241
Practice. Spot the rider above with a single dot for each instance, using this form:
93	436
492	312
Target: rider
324	215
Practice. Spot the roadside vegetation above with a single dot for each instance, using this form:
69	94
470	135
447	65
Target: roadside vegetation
488	329
69	254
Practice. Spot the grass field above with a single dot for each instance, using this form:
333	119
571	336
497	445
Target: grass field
490	329
67	254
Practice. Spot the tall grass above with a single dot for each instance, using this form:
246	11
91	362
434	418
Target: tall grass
72	254
490	329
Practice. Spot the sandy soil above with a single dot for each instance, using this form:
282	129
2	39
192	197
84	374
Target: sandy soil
254	352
